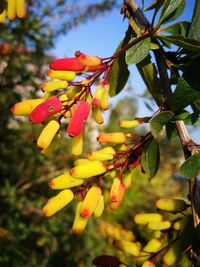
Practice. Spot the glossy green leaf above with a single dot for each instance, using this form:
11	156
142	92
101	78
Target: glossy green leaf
119	73
192	74
138	52
195	26
176	13
190	167
158	121
183	95
149	74
150	158
181	41
193	119
179	28
168	8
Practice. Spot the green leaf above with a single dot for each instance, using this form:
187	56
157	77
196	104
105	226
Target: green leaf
183	95
190	167
182	115
181	41
119	73
150	158
192	74
179	28
155	5
195	26
138	52
158	121
176	13
149	74
193	119
168	8
171	131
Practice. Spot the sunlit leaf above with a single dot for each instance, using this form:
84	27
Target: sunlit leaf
158	121
190	167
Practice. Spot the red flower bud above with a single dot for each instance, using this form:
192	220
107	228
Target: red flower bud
45	110
67	64
81	113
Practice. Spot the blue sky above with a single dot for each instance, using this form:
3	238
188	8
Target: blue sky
101	37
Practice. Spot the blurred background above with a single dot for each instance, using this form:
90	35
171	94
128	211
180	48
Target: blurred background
57	29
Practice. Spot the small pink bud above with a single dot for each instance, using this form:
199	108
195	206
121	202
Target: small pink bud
81	113
45	110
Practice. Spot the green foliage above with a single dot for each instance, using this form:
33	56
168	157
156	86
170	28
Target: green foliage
191	166
158	121
195	26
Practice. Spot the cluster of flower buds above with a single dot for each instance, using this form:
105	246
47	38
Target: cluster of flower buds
68	96
13	8
85	181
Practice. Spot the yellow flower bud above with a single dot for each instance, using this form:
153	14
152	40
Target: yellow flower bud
73	91
105	98
127	178
51	146
77	145
116	193
20	9
129	124
90	201
97	116
159	225
88	170
81	161
153	246
173	205
131	248
58	202
11	9
117	137
25	107
100	207
148	264
79	222
102	154
3	16
144	218
62	75
48	134
51	86
65	180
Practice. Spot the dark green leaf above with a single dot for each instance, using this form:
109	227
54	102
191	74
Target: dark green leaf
138	52
183	95
179	28
196	105
171	131
149	74
168	8
195	26
183	114
158	121
179	40
155	5
150	158
193	119
190	167
192	74
176	13
2	6
119	73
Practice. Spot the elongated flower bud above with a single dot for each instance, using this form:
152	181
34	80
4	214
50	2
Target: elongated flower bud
87	60
71	64
51	86
97	116
65	180
81	113
117	137
90	201
144	218
25	107
45	110
73	91
95	68
88	170
98	95
100	207
62	75
129	124
131	248
81	161
11	9
100	154
20	9
117	193
58	202
127	178
114	189
159	225
77	145
173	253
152	246
52	145
3	16
105	98
48	134
172	205
79	222
148	264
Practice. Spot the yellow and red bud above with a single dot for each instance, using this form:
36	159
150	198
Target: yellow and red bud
77	145
81	113
48	134
25	107
88	60
20	9
79	222
97	116
65	180
100	207
45	110
11	9
97	97
70	64
145	218
117	137
89	169
95	68
127	178
52	145
62	75
148	264
129	247
58	202
90	201
129	123
171	205
51	86
117	193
